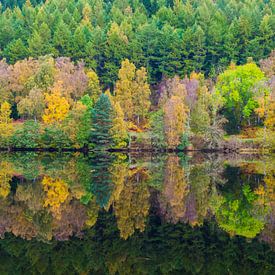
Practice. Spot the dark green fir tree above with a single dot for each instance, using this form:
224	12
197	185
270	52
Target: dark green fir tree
102	123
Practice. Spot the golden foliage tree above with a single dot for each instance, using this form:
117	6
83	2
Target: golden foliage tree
124	88
6	127
57	107
132	91
92	213
266	111
141	95
94	89
119	128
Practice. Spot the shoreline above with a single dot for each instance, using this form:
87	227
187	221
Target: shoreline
240	151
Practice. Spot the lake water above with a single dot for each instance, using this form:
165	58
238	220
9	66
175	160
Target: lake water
63	213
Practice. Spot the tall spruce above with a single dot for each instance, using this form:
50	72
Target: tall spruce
102	122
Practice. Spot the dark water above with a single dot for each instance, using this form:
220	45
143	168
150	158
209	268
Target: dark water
136	214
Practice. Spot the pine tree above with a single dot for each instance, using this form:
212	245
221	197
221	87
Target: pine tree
102	114
62	39
16	50
36	45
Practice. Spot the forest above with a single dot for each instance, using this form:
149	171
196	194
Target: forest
149	74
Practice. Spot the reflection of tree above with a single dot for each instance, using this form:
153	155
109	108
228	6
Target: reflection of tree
63	196
72	221
238	216
48	206
6	173
132	206
119	172
267	196
32	194
14	219
92	210
101	180
175	190
203	179
56	193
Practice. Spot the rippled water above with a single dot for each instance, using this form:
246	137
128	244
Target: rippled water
136	214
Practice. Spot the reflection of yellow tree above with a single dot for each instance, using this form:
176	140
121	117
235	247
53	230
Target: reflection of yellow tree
32	195
175	190
266	190
57	193
119	172
6	172
132	207
92	213
266	193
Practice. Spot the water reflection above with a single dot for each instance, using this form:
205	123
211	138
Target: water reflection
47	197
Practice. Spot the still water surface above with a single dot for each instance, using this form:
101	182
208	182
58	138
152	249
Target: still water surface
136	214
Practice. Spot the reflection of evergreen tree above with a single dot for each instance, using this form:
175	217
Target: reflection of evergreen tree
101	181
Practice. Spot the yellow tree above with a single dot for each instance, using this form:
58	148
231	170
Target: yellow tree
57	107
172	87
133	92
94	89
175	117
6	173
125	87
119	128
270	113
6	127
266	111
141	95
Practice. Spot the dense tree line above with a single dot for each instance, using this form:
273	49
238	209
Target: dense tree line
164	36
56	103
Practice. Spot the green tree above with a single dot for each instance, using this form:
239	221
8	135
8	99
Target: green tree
27	136
62	39
235	85
16	50
102	114
157	129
